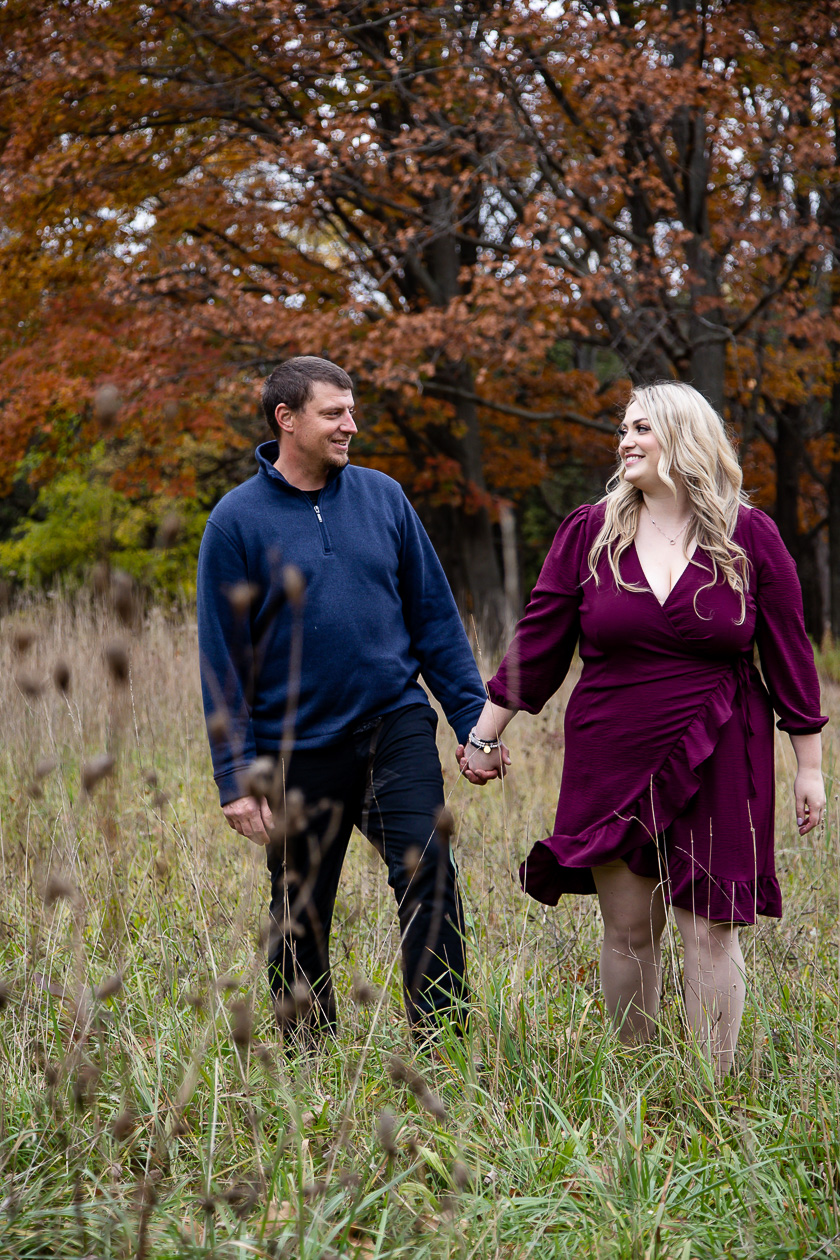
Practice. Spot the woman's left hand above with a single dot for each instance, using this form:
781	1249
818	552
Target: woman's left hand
809	791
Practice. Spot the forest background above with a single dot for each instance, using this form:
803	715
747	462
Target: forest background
496	215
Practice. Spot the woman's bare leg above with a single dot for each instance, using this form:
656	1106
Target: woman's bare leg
714	985
633	910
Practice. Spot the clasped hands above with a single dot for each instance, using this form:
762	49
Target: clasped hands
480	767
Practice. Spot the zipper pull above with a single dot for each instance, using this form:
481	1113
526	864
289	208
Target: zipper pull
318	513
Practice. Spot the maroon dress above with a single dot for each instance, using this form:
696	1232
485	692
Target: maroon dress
669	731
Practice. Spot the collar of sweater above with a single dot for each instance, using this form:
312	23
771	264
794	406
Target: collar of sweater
265	455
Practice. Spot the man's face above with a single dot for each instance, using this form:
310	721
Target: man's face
318	436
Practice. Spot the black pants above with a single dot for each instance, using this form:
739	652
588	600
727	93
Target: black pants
386	780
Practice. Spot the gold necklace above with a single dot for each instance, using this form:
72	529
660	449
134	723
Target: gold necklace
672	541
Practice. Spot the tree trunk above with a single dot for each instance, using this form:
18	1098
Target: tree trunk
789	455
469	554
834	504
478	580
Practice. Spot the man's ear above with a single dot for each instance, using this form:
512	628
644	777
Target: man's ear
285	418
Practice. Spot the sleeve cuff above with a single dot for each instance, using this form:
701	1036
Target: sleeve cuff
230	785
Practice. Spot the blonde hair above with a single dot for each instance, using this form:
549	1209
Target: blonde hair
696	451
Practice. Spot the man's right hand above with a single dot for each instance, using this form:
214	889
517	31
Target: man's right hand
479	767
251	818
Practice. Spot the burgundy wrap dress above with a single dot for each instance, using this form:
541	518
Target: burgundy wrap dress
669	731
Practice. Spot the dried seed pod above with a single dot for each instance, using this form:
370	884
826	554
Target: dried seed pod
110	987
22	639
150	778
411	861
227	983
208	1205
116	656
314	1190
462	1176
218	726
95	770
241	1025
242	1197
122	1126
170	528
431	1102
386	1130
291	927
445	825
349	1180
294	584
259	777
61	676
124	598
242	596
106	403
5	995
194	999
400	1071
100	578
58	888
44	767
363	991
291	1006
294	815
28	684
84	1084
302	996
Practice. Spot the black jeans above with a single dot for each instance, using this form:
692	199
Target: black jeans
386	780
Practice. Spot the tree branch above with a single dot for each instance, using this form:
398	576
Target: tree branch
508	409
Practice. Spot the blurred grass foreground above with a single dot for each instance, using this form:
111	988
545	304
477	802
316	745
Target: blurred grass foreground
147	1108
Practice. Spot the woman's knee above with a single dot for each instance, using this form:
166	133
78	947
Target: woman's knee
632	907
708	936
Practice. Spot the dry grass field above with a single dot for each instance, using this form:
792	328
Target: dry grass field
148	1110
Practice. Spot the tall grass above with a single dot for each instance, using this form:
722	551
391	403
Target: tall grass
148	1110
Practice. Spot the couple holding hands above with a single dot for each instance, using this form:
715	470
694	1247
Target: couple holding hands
320	600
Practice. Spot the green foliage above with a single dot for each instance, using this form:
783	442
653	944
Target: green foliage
79	519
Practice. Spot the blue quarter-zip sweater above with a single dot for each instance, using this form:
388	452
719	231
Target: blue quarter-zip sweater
377	612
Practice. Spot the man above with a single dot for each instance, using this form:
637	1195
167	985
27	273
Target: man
320	600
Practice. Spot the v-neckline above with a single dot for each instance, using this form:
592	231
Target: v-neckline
662	602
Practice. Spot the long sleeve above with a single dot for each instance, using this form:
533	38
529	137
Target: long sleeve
787	658
541	652
438	640
226	658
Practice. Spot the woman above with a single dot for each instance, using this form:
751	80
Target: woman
667	794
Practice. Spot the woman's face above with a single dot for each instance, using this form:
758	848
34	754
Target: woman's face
639	449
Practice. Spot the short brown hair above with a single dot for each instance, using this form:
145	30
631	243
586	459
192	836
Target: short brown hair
291	383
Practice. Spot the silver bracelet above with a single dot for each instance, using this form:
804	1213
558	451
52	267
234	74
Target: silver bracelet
486	745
